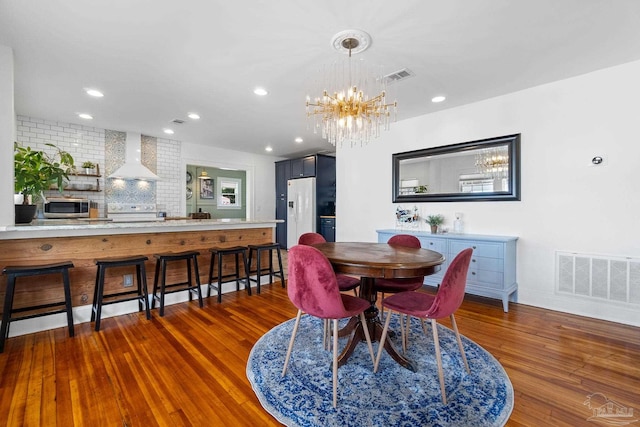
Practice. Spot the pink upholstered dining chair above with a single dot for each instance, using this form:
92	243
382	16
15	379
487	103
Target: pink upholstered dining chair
425	306
392	286
312	287
345	283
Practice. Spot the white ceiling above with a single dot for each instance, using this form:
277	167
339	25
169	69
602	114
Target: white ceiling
156	60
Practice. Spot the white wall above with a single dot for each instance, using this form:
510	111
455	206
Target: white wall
7	135
567	204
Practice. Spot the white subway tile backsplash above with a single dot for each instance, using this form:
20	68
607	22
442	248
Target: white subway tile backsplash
88	143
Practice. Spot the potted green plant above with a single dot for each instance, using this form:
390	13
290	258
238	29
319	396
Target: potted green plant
34	172
88	167
434	221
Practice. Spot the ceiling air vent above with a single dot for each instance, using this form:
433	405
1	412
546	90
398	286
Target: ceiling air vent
177	121
398	75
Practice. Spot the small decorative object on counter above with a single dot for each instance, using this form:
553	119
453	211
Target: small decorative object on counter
434	221
407	218
93	210
458	226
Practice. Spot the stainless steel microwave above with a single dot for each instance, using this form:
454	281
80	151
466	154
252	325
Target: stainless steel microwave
66	208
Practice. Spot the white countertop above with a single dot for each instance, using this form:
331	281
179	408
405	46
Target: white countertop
70	227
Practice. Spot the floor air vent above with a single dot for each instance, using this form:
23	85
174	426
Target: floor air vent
603	277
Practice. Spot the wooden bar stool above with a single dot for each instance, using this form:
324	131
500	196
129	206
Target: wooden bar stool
258	249
13	273
160	279
220	253
140	293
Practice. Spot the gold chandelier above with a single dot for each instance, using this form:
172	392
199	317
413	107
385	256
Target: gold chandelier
493	162
347	112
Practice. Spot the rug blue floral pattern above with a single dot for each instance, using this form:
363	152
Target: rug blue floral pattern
394	396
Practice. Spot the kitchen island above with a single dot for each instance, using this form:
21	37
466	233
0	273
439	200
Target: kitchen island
83	241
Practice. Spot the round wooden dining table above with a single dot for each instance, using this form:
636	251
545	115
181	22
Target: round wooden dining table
371	261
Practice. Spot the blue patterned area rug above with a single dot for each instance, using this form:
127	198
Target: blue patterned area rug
394	396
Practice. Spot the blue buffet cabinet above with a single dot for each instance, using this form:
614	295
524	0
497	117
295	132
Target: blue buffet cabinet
492	272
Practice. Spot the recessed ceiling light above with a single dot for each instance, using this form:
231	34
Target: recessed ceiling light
298	140
85	116
194	116
268	148
438	98
94	92
169	131
260	91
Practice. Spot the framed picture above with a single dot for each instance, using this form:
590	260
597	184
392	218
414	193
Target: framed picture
206	189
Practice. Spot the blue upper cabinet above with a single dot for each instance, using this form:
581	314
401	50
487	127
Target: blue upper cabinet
304	167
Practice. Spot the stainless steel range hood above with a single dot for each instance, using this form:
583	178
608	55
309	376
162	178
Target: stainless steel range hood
133	168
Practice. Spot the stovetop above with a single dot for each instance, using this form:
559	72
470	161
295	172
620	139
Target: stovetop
133	212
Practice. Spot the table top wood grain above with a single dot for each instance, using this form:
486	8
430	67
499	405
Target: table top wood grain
381	260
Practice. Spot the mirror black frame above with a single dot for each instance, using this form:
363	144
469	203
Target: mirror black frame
513	143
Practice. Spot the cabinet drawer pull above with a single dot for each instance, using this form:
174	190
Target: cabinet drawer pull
474	247
473	260
473	273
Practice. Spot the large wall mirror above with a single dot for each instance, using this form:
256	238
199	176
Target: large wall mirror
487	169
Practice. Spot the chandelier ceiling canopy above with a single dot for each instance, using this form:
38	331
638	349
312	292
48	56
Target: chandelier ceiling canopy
353	104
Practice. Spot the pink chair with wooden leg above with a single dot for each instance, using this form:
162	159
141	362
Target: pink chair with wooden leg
393	286
313	289
345	283
424	306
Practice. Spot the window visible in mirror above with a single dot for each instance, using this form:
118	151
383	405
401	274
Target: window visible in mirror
487	169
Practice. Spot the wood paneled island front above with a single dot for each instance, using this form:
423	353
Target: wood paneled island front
82	242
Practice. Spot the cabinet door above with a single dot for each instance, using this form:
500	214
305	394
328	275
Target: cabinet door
283	174
328	229
304	167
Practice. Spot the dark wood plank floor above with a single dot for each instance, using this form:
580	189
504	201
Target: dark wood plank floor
188	368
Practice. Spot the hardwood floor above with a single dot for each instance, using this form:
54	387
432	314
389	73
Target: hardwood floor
188	368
